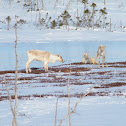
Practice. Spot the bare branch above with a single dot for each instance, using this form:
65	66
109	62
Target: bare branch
69	97
74	110
10	99
56	111
55	3
16	78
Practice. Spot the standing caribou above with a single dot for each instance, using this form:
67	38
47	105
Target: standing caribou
43	56
101	52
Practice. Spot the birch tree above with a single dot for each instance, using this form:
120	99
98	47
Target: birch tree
16	78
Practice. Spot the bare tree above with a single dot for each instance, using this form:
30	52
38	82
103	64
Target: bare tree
74	110
9	95
14	109
16	78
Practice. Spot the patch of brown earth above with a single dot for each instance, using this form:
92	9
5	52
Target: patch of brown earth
26	78
59	85
54	69
67	70
56	80
60	95
124	63
61	81
116	84
118	66
103	72
64	69
2	98
80	83
5	72
101	78
76	74
77	63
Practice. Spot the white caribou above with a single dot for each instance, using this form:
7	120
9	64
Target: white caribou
43	56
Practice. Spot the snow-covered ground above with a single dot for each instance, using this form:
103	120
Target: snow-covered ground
105	105
29	32
104	111
70	43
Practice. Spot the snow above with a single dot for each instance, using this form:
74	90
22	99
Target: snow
91	111
30	33
70	43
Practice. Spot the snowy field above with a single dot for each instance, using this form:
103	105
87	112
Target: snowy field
38	91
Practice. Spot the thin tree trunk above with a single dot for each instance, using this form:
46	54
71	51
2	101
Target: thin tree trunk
56	111
84	15
103	21
56	4
69	113
37	5
88	23
110	24
93	18
74	109
16	78
104	2
10	99
8	25
34	5
42	5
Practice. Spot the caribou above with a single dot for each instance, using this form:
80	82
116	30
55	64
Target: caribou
43	56
89	60
101	52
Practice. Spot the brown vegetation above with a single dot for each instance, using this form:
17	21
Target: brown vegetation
57	77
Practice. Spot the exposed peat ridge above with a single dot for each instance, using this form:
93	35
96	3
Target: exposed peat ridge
111	81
